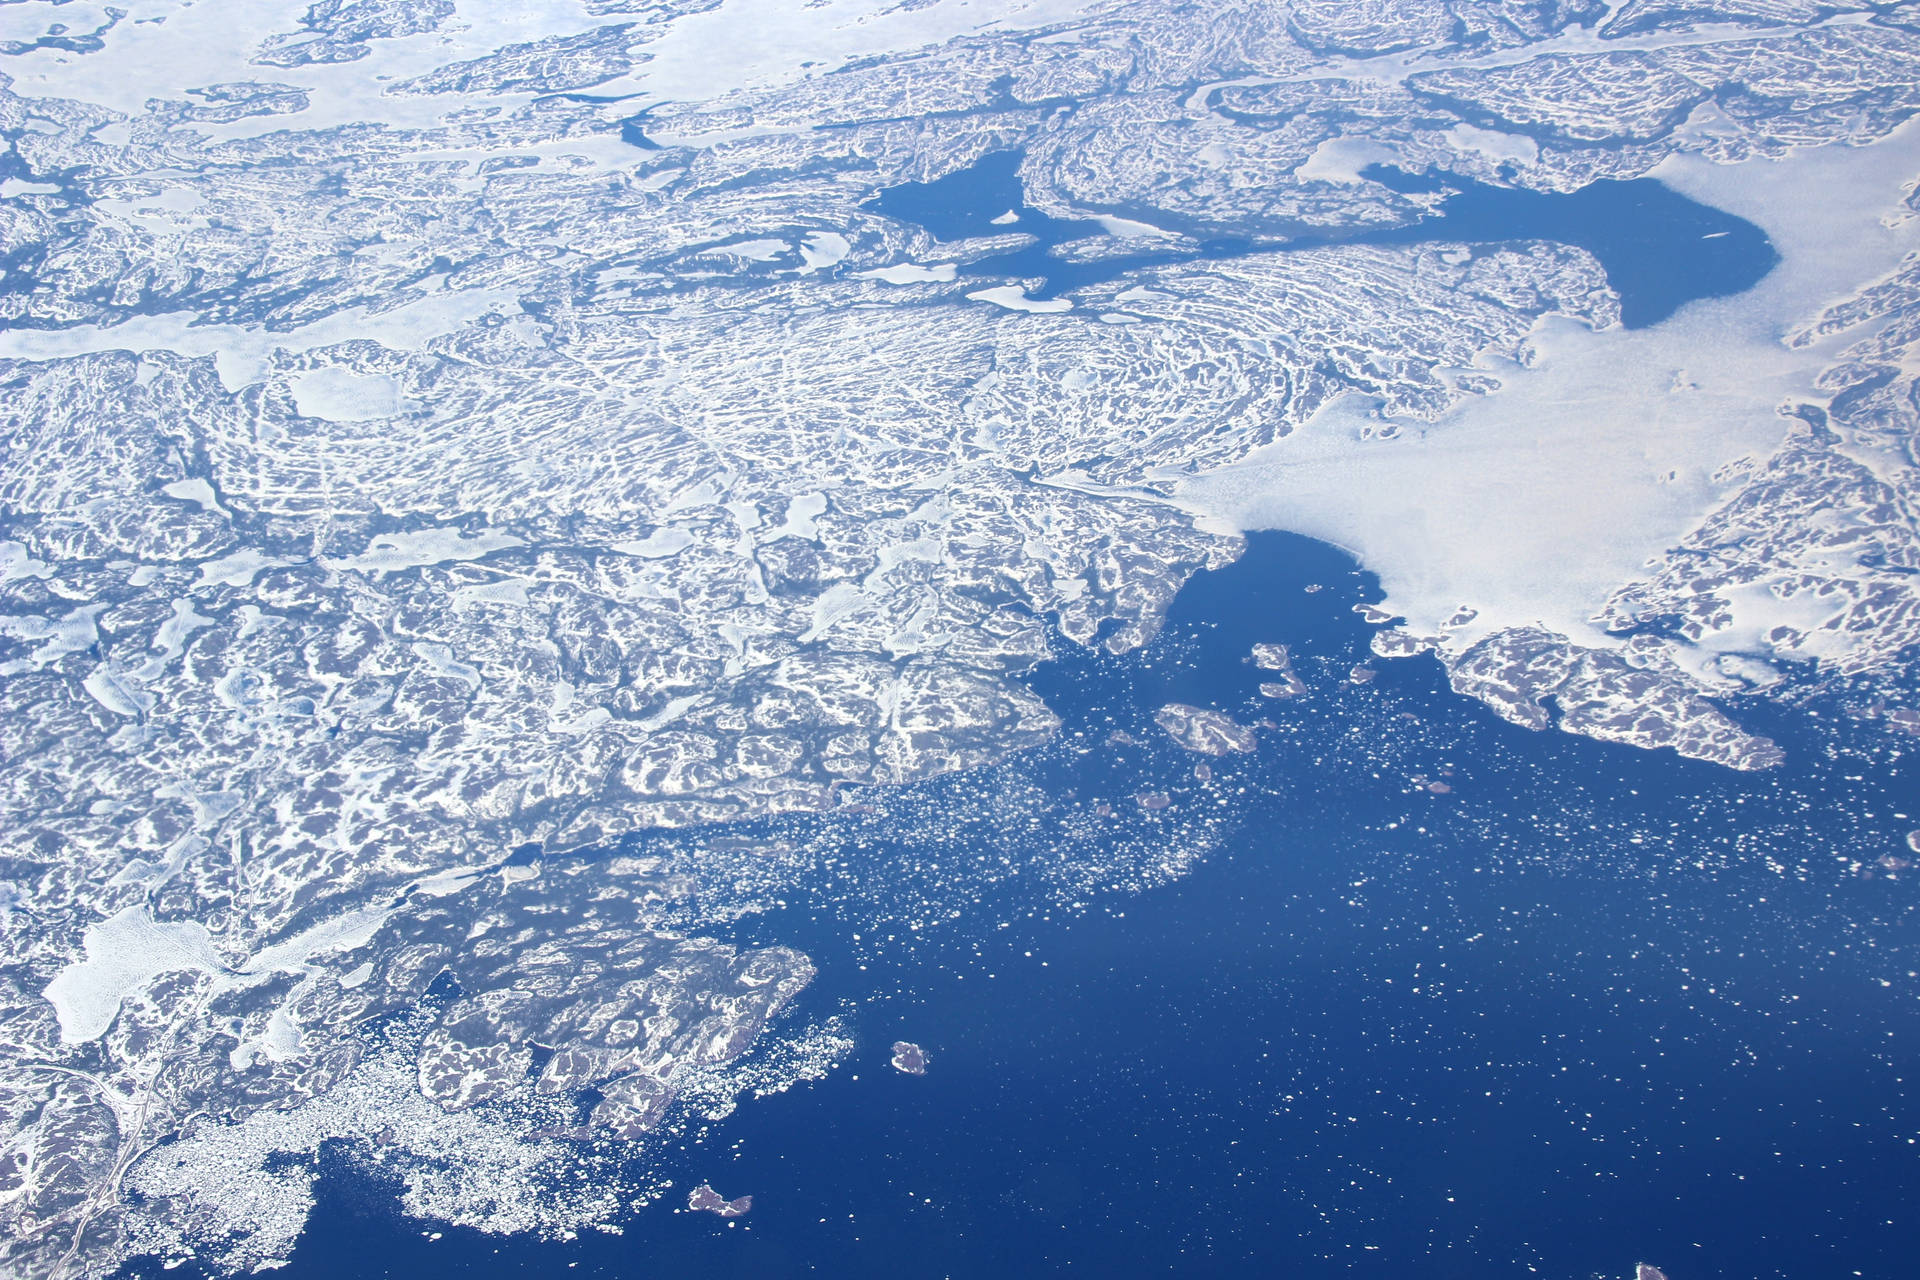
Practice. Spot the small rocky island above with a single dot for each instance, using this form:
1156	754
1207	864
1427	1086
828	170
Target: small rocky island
1208	732
1277	659
704	1199
909	1057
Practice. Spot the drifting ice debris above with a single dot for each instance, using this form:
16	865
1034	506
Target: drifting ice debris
238	619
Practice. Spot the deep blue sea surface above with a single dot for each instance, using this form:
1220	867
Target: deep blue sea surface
1660	249
1589	1006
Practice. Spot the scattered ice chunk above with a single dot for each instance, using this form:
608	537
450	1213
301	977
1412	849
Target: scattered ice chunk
241	353
1014	298
1340	160
439	658
1514	148
123	953
341	395
16	562
117	693
910	273
393	552
238	568
505	592
764	250
194	489
661	544
802	512
171	636
1131	229
823	249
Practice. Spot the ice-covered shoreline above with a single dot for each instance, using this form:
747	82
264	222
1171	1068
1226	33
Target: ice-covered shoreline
408	477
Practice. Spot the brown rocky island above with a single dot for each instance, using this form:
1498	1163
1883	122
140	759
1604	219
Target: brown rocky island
704	1199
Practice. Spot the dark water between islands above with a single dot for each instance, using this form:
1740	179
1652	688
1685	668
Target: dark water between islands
1589	1007
1660	249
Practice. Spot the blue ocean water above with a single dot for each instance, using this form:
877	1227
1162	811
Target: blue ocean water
1589	1006
1416	992
1659	248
